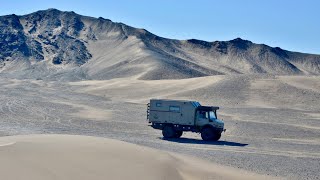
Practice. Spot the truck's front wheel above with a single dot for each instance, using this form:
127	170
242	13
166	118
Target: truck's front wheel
168	132
216	137
207	134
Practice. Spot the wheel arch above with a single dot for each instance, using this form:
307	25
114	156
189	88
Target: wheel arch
166	124
207	126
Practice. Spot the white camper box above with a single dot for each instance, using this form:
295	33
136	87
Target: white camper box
172	111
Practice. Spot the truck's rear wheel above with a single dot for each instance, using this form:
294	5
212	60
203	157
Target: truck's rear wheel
168	132
207	134
178	134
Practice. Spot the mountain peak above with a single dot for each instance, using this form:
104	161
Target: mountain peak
241	43
98	48
240	40
52	9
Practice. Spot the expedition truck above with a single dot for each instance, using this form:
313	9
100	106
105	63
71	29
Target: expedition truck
175	116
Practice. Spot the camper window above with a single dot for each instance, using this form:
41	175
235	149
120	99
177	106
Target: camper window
174	108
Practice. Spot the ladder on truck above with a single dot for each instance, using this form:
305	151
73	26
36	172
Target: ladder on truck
148	111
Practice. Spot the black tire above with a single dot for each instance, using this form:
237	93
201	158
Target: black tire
207	134
216	137
178	134
168	132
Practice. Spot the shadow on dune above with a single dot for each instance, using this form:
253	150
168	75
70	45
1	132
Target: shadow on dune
198	141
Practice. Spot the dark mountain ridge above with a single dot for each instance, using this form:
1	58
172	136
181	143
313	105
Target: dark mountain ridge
56	44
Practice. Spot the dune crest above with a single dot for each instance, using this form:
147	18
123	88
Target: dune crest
81	157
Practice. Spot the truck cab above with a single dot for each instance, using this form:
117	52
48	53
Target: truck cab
206	117
175	116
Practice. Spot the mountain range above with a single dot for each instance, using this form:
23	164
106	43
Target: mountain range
53	44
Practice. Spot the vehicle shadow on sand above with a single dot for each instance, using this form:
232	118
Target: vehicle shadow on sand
198	141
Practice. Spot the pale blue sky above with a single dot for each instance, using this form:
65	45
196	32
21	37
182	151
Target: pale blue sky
289	24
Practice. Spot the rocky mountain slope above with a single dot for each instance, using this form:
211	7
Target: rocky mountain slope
64	45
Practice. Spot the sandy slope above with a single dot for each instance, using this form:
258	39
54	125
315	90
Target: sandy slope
134	90
39	157
272	121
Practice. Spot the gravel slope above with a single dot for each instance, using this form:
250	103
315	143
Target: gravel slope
273	122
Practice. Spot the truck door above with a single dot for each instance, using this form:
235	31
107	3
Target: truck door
202	118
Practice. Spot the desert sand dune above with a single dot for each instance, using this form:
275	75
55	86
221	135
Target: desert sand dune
49	157
142	90
272	123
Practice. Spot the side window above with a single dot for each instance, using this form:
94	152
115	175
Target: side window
174	108
158	104
203	114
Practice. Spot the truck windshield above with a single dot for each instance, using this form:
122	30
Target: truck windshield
212	115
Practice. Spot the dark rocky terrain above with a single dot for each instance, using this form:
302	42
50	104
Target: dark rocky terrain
64	45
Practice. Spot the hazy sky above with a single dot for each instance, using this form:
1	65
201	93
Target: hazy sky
289	24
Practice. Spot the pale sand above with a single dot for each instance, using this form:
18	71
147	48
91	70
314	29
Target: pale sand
40	157
272	122
88	112
133	90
